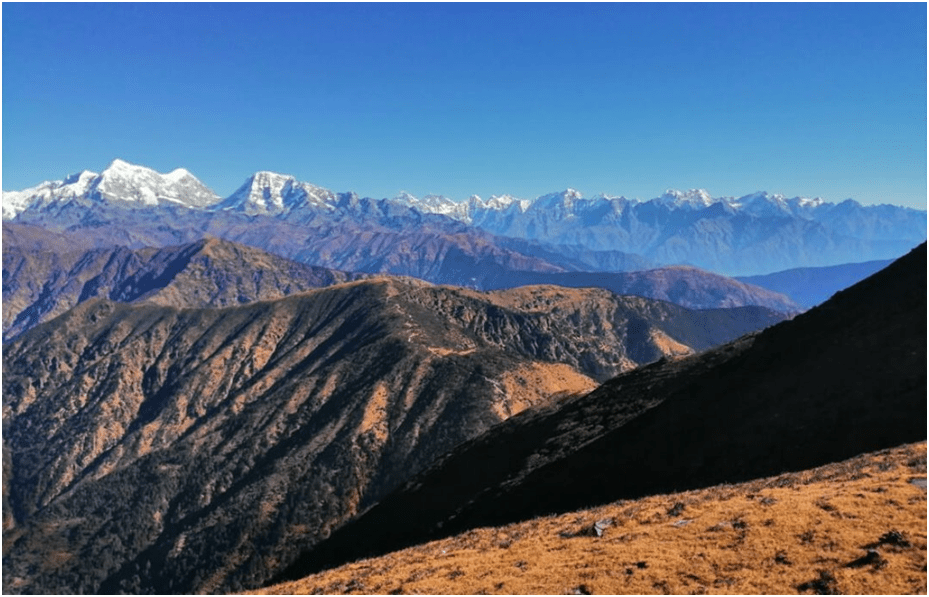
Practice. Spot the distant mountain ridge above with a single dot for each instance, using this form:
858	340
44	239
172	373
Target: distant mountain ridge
41	284
45	272
754	234
810	286
686	286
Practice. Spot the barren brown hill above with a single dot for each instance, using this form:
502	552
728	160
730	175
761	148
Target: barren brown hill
844	378
43	277
853	527
155	449
686	286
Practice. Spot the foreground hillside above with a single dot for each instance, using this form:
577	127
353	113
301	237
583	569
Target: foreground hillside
155	449
844	378
854	527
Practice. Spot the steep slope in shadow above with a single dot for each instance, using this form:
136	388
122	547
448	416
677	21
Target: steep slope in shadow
844	378
155	449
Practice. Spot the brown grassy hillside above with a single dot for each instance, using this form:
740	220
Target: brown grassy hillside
155	449
845	378
854	527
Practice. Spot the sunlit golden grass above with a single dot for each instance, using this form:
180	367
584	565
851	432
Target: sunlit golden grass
807	532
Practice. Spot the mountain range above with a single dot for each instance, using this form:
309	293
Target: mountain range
205	394
44	274
751	235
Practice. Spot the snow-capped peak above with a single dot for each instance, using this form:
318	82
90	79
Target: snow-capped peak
270	193
128	183
806	202
694	198
434	204
561	204
405	198
122	183
178	174
502	202
75	185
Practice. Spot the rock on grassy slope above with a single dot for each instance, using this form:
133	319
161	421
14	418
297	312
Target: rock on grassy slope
155	449
844	378
853	527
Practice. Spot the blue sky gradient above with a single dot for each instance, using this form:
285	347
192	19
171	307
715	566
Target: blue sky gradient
803	99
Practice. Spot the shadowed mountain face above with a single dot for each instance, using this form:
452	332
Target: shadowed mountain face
155	449
844	378
41	280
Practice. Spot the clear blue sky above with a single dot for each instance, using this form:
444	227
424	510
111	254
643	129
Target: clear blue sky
802	99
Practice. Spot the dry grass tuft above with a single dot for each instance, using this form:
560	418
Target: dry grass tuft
856	527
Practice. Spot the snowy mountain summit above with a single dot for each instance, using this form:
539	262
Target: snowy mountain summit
121	183
273	194
129	183
692	199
